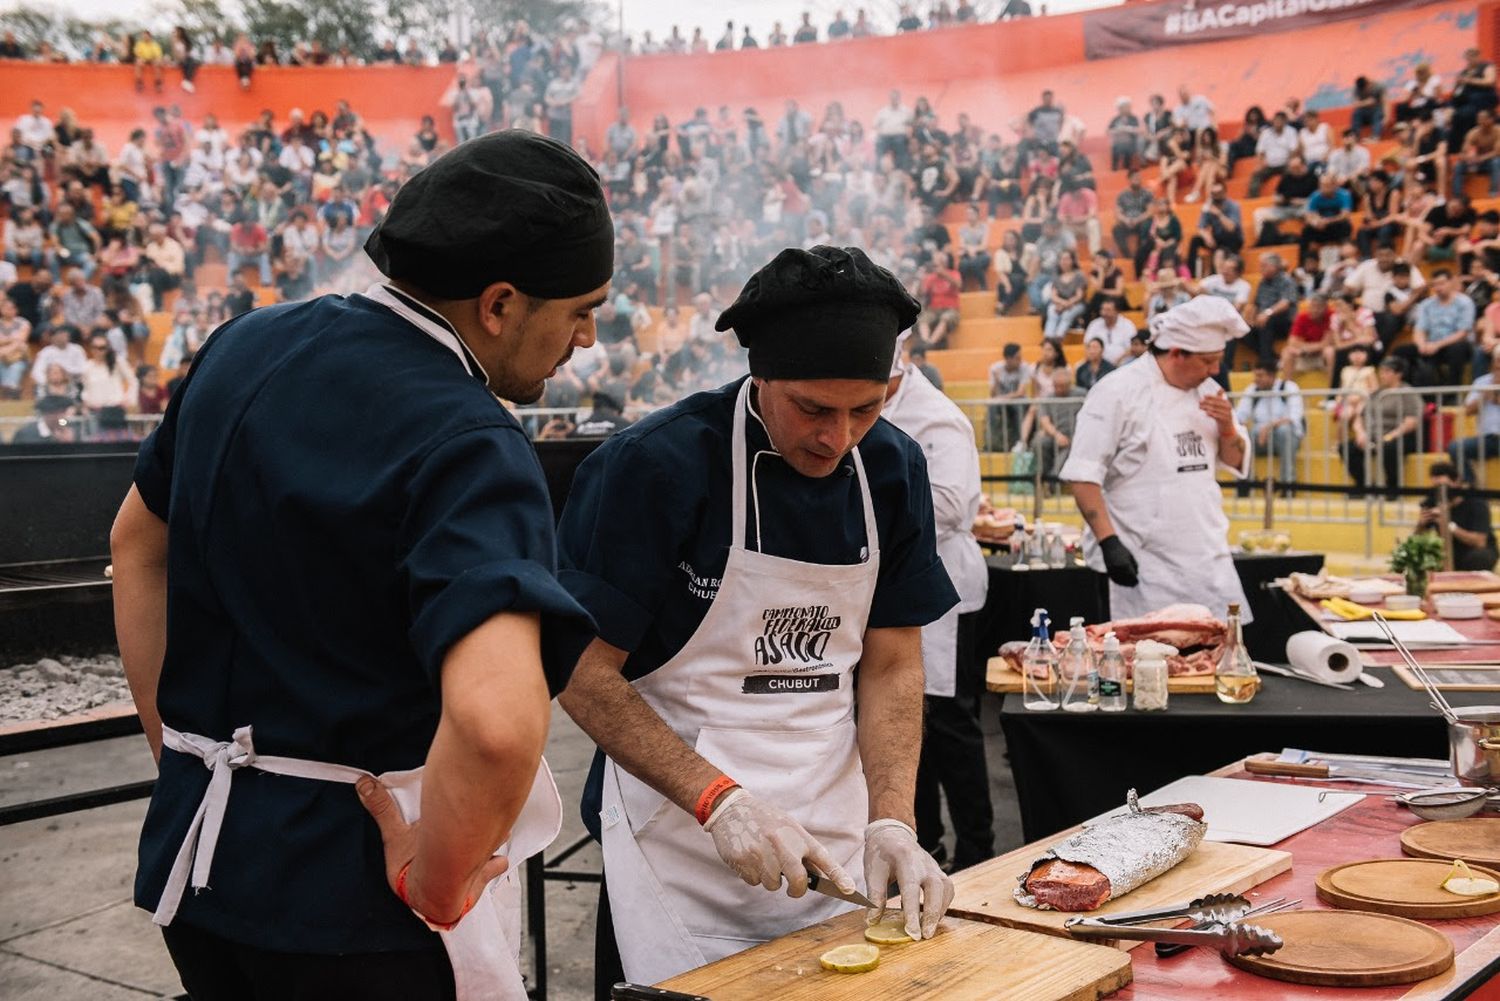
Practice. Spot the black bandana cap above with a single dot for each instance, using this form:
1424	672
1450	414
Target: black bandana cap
824	313
509	206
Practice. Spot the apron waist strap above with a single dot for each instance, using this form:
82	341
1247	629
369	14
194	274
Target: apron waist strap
222	758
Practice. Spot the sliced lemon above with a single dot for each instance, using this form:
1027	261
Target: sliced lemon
858	958
888	931
1462	881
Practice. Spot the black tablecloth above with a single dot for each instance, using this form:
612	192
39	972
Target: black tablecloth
1071	591
1072	766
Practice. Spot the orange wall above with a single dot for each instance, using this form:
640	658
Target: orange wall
392	99
995	72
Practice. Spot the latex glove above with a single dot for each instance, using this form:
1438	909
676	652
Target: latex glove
891	849
1118	562
762	843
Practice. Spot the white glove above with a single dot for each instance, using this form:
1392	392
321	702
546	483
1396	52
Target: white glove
891	849
763	843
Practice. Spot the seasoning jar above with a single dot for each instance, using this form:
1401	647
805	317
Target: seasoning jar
1150	674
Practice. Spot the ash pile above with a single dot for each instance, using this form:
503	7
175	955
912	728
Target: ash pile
52	688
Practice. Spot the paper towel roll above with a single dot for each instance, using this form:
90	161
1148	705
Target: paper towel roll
1322	656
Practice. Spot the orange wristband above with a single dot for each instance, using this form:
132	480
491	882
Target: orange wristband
712	792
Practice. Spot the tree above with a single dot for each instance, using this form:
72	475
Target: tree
205	20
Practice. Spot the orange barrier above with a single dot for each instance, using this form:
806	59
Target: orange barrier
996	72
392	99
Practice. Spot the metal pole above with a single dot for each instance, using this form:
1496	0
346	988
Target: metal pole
536	920
620	60
1445	526
1036	486
1269	520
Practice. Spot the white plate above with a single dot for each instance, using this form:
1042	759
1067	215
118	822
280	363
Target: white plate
1246	812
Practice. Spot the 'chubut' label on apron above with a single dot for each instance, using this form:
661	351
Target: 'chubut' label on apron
779	684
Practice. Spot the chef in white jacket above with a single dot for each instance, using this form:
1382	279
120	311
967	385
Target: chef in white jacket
1149	440
952	742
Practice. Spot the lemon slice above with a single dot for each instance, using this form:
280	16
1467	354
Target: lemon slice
1462	881
888	931
851	959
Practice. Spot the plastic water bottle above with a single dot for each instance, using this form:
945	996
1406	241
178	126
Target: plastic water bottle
1079	673
1039	667
1111	676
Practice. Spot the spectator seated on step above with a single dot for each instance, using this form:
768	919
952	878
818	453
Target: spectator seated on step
1309	343
1441	229
1293	189
1443	339
1482	403
1272	412
1326	218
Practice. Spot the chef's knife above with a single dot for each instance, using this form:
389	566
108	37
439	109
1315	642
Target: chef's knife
640	992
828	888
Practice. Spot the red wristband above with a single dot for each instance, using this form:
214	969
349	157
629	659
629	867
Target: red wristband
706	799
434	925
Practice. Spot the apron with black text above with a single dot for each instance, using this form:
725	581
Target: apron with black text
764	689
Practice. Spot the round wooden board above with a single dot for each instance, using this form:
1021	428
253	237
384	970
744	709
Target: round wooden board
1349	949
1408	887
1476	840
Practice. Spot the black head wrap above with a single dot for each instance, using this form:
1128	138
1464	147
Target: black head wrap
510	206
824	313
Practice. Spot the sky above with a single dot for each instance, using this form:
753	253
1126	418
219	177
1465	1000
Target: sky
657	16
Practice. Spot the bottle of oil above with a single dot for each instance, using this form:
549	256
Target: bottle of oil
1235	679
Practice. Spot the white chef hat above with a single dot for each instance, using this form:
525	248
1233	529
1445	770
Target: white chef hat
1204	324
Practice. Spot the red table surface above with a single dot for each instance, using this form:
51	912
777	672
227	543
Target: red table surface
1473	629
1368	830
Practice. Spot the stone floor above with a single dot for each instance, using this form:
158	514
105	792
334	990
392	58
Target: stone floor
68	929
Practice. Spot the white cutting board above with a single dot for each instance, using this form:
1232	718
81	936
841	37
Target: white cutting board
1423	631
1250	813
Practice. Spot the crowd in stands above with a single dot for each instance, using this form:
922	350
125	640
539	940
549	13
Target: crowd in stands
111	236
150	55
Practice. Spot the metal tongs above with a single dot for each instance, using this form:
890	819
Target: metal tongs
1231	939
1437	700
1215	908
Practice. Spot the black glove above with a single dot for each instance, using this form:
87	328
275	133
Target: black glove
1118	562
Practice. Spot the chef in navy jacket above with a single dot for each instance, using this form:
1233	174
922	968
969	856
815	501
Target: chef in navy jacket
760	560
337	566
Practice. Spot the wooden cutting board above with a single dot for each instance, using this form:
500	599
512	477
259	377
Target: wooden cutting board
966	961
984	893
1476	840
1407	887
1350	949
1472	581
999	677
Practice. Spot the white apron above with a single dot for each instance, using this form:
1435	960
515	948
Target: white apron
764	690
484	947
1170	515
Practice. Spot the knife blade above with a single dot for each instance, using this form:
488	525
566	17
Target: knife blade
1287	672
828	888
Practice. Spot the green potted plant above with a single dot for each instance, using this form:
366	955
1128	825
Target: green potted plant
1416	556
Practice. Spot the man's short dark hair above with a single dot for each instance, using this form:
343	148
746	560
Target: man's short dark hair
1396	365
1011	350
1265	366
1441	273
1401	268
